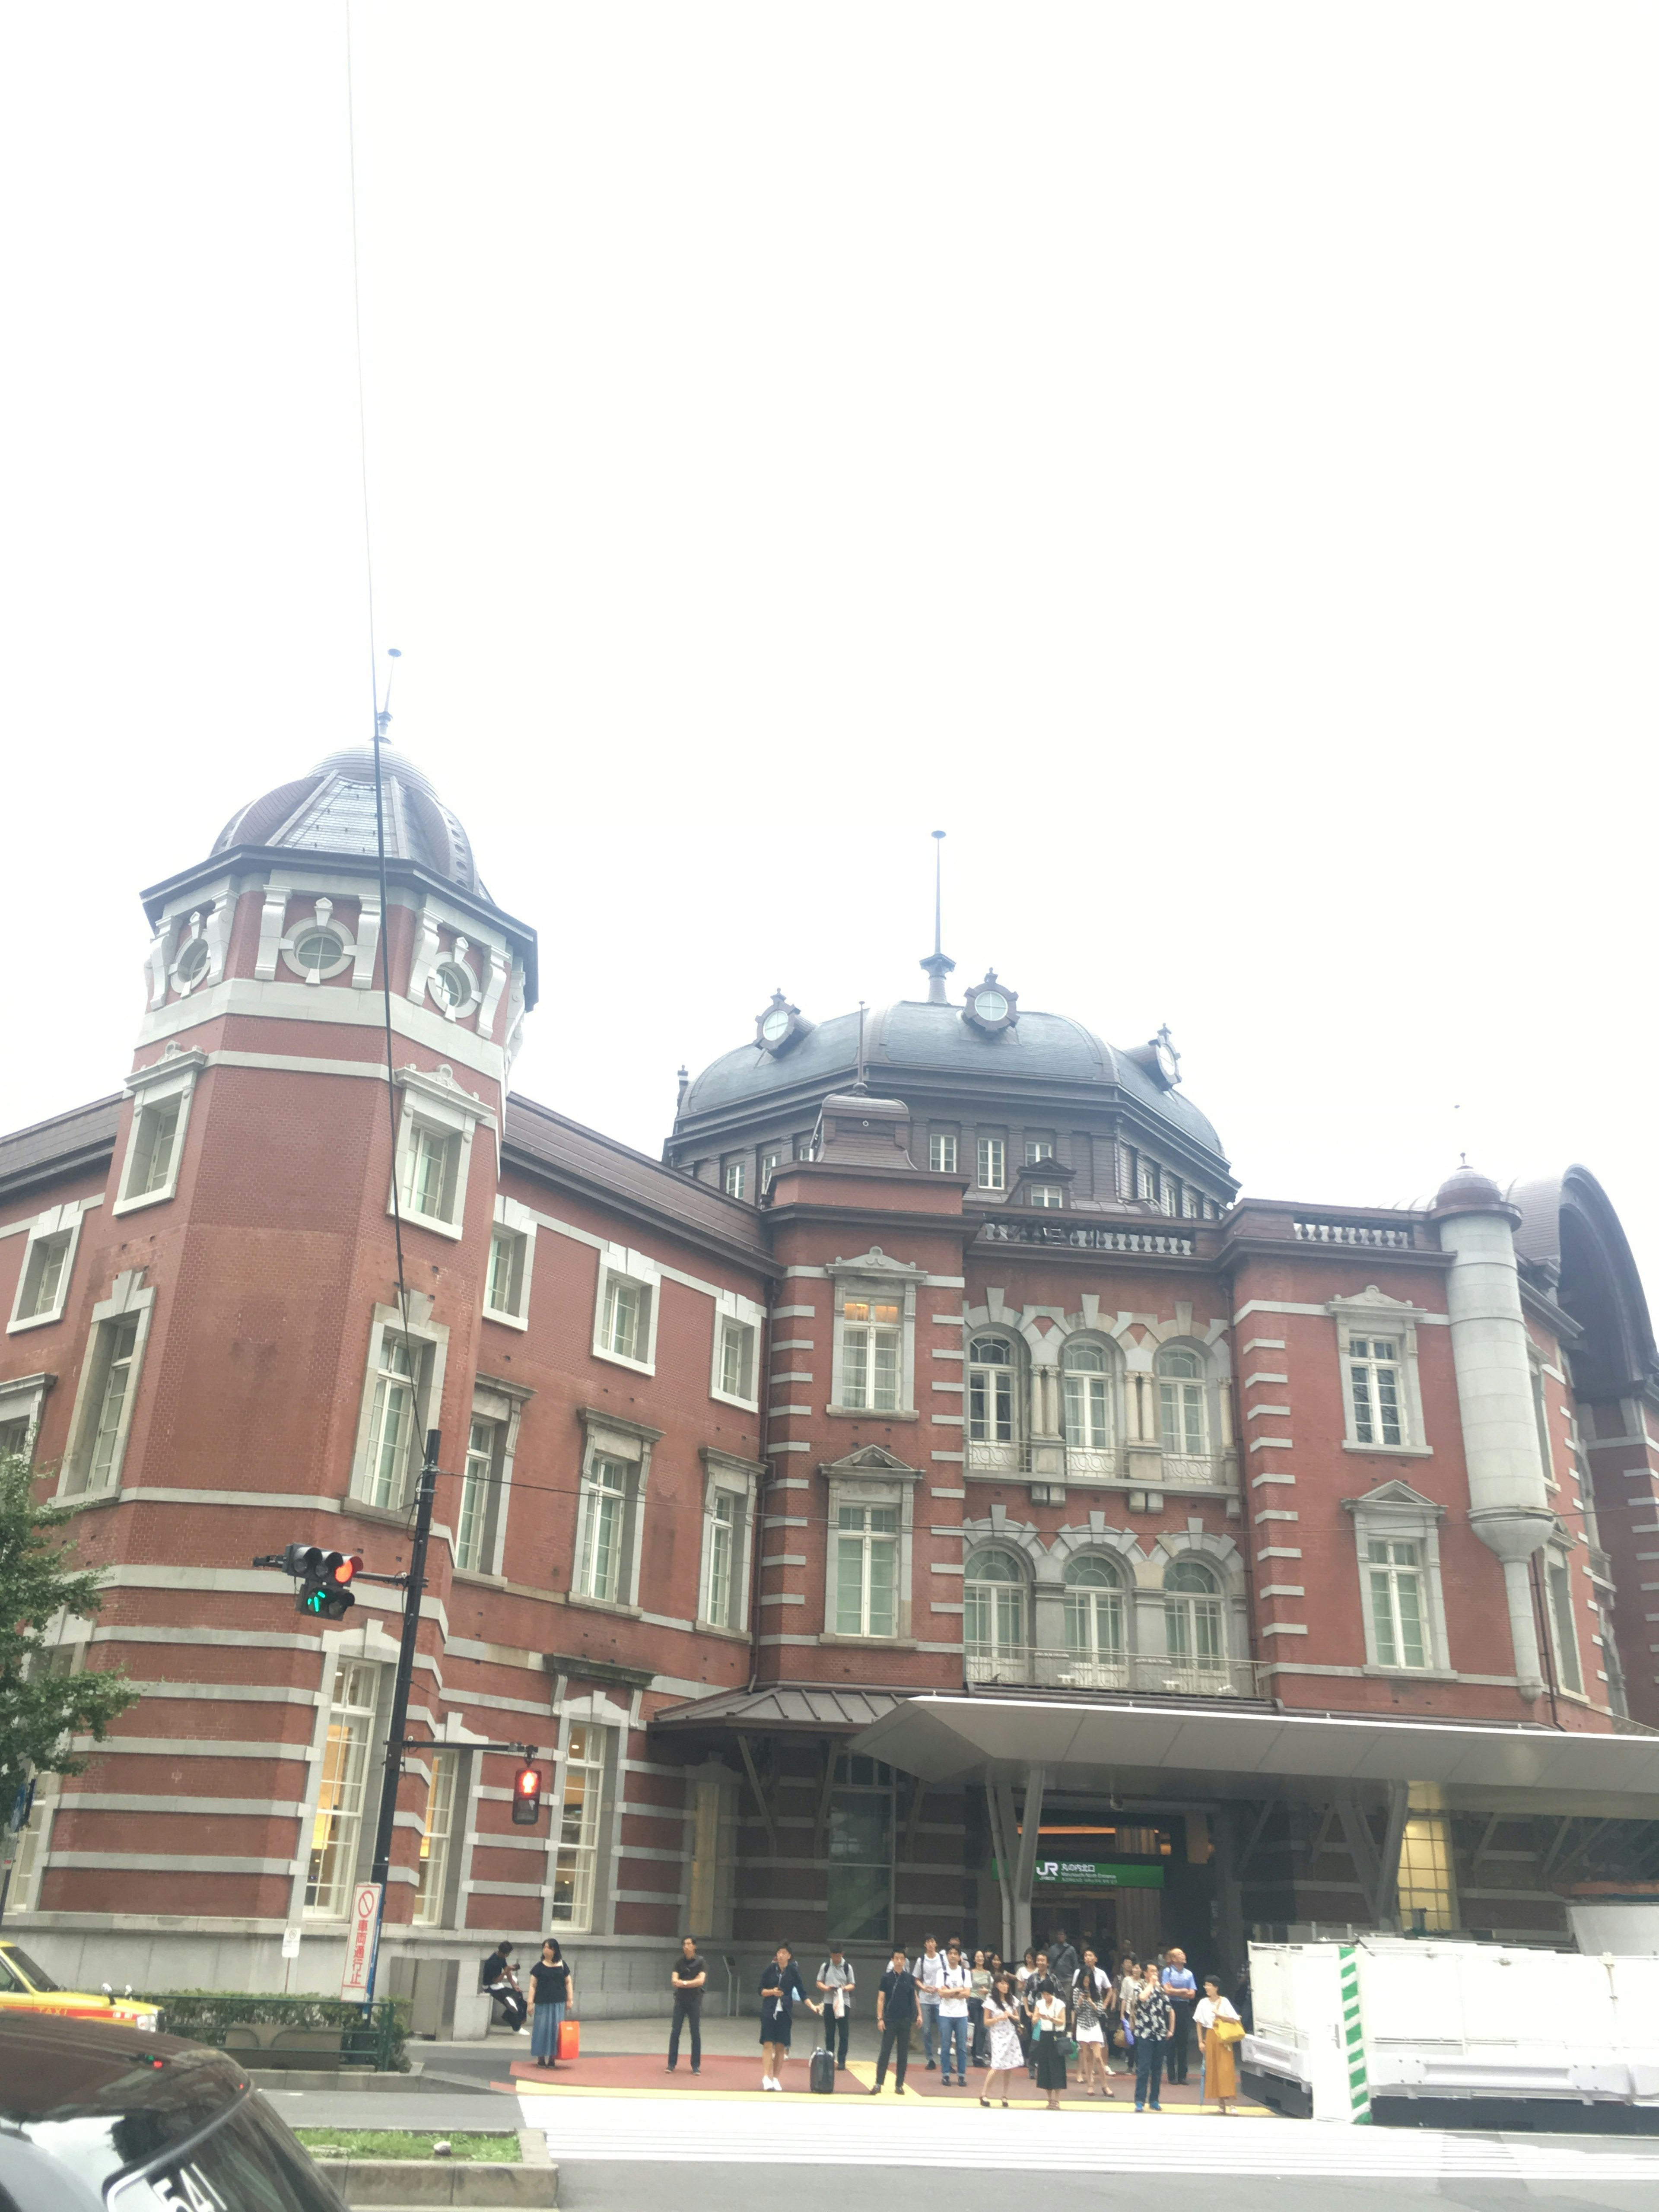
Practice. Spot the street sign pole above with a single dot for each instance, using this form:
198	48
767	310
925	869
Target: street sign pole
380	1869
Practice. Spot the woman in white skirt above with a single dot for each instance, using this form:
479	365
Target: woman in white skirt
1091	1995
1001	2024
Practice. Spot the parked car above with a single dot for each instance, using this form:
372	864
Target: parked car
96	2116
25	1987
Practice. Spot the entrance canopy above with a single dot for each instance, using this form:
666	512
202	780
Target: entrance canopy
1145	1750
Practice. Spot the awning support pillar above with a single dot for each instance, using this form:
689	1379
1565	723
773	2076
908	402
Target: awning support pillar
1005	1848
1026	1865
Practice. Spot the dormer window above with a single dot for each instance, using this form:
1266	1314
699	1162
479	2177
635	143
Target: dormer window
1044	1193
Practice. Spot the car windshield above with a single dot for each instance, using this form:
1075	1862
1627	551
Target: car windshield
36	1976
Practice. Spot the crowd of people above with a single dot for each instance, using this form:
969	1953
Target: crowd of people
1054	2007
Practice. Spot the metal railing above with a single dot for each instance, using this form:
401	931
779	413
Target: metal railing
1131	1672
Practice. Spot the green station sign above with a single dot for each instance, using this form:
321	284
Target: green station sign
1093	1874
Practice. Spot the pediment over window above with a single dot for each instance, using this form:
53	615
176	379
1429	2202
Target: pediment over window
1371	1301
871	1459
1396	1497
877	1262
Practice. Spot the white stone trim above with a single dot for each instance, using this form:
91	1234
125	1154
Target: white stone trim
57	1220
738	1478
437	1103
428	1391
876	1271
623	1263
869	1476
732	1305
1374	1313
522	1221
173	1076
128	1296
1396	1510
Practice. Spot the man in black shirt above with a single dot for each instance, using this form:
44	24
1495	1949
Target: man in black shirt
896	2012
497	1975
688	1982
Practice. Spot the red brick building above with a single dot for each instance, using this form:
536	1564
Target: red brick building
929	1496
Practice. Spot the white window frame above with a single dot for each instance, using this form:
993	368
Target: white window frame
437	1897
1395	1512
22	1398
629	1444
872	1477
1108	1374
1558	1562
1176	1447
617	1262
128	1299
733	1310
152	1089
347	1671
991	1164
997	1661
63	1220
875	1277
598	1762
432	1339
512	1219
738	1481
501	1404
1047	1194
436	1103
734	1178
1374	1314
770	1161
942	1152
1038	1149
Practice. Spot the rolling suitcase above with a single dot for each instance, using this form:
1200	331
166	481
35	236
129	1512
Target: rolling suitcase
821	2075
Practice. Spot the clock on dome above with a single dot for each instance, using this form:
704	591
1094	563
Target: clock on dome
1167	1059
991	1006
778	1027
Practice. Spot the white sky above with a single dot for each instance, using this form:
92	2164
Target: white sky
1202	456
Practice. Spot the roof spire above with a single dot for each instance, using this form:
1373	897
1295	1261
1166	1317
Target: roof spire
383	712
937	966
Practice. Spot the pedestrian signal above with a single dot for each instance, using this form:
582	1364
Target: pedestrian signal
526	1797
325	1580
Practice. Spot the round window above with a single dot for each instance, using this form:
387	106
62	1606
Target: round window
775	1025
990	1006
193	962
316	949
455	983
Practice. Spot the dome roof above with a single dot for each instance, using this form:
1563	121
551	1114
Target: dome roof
1468	1191
332	810
930	1040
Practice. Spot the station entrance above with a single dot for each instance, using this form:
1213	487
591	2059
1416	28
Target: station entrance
1112	1882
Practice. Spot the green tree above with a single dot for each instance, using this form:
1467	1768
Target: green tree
41	1710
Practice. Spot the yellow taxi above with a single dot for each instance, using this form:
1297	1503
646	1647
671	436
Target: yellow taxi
25	1987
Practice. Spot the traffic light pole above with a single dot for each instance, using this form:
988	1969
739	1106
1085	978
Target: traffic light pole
395	1733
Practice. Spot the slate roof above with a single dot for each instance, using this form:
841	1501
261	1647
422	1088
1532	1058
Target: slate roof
783	1705
332	810
82	1138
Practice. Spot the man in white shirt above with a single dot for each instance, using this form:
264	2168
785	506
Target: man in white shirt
835	1985
954	1985
929	1970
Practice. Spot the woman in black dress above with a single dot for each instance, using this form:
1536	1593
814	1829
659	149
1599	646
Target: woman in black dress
1048	2040
780	1985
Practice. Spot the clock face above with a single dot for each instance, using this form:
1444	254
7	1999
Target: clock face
775	1025
1167	1061
990	1006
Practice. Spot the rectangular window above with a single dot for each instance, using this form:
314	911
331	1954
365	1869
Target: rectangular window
627	1328
736	1178
576	1854
391	1440
338	1822
120	1341
1038	1148
599	1538
722	1559
1088	1420
1426	1897
859	1836
14	1438
477	1486
992	1164
431	1157
990	1405
737	1360
770	1163
436	1833
1395	1567
866	1571
1044	1193
1565	1634
803	1146
1149	1182
869	1355
504	1291
1541	1414
43	1274
942	1155
1374	1381
153	1143
1181	1409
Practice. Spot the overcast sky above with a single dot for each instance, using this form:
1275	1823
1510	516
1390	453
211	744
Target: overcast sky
1204	457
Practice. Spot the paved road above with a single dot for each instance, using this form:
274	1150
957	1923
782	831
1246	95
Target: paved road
729	2153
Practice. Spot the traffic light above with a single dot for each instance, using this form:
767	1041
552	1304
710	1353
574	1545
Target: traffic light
526	1797
325	1579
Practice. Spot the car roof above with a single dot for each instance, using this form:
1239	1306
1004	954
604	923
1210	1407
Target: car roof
51	2065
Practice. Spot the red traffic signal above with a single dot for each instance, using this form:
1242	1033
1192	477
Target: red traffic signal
326	1588
526	1797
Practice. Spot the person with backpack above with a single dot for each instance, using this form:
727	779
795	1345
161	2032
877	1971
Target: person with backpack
836	1983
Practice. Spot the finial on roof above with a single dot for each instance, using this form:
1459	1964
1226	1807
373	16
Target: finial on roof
685	1084
383	712
937	966
860	1084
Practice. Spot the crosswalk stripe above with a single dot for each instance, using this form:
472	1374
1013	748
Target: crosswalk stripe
853	2133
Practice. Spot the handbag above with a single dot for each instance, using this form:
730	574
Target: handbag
1229	2031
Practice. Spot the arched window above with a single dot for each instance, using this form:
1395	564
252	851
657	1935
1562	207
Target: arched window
1180	1404
991	1390
1194	1629
993	1618
1094	1623
1088	1398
